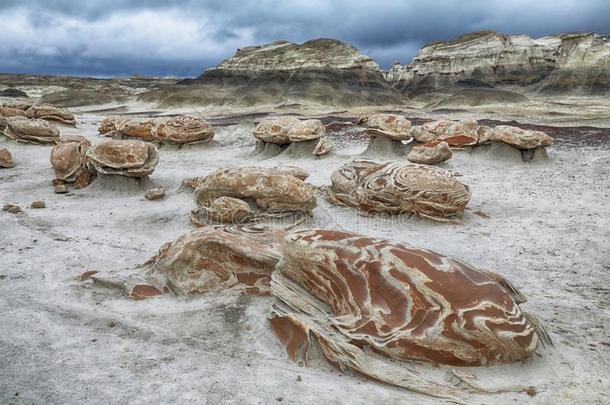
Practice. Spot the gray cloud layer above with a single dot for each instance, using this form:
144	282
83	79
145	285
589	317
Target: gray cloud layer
184	37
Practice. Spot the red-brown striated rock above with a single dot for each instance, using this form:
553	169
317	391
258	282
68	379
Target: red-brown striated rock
306	130
357	296
461	133
6	159
520	138
430	153
11	112
51	113
397	188
130	158
208	259
270	189
31	130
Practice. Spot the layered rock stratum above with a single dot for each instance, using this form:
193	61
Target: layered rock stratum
570	62
322	71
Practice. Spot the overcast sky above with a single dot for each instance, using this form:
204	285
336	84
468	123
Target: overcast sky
185	37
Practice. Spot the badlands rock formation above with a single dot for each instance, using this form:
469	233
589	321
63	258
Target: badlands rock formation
270	189
69	161
51	113
322	71
130	158
27	130
396	188
177	130
577	62
298	138
386	133
359	296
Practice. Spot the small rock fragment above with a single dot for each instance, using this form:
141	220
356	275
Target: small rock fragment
38	204
155	193
6	159
60	189
12	208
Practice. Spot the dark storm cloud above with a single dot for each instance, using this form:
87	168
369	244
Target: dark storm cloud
182	38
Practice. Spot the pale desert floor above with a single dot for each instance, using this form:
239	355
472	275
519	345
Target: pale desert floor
546	228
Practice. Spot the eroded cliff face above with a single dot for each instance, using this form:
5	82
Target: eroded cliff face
323	71
560	63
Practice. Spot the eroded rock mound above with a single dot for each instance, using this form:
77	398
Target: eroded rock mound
183	129
69	161
27	130
208	259
397	188
224	210
11	112
386	133
6	159
132	158
430	153
51	113
269	189
363	299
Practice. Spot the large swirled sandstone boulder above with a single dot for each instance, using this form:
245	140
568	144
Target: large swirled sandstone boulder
357	296
51	113
69	161
27	130
430	153
110	125
520	138
182	130
136	129
208	259
306	130
6	159
132	158
398	188
270	189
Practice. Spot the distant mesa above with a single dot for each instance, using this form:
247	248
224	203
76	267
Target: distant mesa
575	63
321	71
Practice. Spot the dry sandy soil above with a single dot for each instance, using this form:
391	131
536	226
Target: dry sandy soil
543	225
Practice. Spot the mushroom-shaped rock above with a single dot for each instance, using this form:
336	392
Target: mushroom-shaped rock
305	130
183	129
6	159
461	133
398	188
31	130
270	189
224	210
520	138
51	113
275	130
208	259
359	297
392	126
430	153
11	112
131	158
386	132
69	160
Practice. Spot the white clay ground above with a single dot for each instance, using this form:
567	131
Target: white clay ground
548	231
